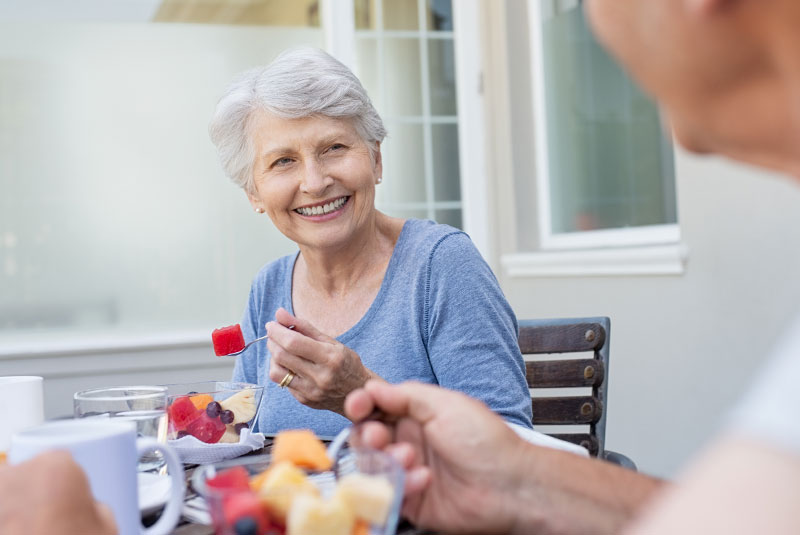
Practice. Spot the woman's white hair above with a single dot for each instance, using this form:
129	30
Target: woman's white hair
299	83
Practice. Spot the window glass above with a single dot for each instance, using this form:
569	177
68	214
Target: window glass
114	212
410	74
445	162
439	15
442	68
610	161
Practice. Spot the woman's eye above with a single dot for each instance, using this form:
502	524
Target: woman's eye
336	146
280	162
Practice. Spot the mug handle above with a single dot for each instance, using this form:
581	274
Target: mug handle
172	512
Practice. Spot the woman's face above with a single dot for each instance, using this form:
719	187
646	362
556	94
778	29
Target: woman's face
314	177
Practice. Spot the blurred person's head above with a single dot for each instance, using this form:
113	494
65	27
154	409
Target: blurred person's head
727	72
299	83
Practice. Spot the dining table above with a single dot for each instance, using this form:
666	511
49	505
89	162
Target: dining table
190	527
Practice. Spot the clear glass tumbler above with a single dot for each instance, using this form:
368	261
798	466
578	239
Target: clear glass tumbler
145	406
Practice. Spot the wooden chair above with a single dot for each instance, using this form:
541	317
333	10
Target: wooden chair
571	335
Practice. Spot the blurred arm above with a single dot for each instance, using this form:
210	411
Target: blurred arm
738	486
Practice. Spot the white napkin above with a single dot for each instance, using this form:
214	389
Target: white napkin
193	451
540	439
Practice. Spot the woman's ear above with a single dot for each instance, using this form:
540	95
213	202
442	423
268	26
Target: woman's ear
256	203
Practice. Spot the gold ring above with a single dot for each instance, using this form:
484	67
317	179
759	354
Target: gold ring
286	380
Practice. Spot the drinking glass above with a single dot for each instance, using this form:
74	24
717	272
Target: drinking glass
145	406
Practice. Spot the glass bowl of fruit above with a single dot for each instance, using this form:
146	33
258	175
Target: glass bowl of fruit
214	412
296	489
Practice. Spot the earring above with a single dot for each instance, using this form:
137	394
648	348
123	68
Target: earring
380	179
259	210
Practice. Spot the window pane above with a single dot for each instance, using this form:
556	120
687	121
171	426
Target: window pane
400	15
402	77
610	161
442	67
445	162
449	217
248	12
114	212
367	69
365	14
440	15
403	164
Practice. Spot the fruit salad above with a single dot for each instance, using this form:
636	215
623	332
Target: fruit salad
217	415
284	496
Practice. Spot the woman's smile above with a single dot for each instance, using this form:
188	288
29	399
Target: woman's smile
323	211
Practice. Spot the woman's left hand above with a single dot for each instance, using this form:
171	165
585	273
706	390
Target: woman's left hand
325	370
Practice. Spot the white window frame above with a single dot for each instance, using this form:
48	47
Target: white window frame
643	250
339	27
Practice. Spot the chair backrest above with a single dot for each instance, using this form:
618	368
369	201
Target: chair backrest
569	335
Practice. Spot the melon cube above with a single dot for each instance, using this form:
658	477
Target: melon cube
227	340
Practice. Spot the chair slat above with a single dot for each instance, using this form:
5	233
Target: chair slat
564	373
566	410
561	338
581	439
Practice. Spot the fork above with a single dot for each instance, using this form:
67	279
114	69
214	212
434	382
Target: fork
336	445
248	344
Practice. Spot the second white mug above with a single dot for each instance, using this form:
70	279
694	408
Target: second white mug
108	451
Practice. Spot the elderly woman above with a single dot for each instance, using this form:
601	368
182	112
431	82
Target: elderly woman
367	295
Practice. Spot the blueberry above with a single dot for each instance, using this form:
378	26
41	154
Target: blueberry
213	409
226	417
182	433
192	393
239	427
246	525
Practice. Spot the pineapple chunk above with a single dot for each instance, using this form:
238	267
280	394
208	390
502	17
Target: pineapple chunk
370	497
280	485
310	515
242	404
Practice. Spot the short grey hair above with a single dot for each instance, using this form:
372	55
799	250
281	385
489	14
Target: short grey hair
300	82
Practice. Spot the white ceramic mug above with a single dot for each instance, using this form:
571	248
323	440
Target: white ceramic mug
108	451
21	406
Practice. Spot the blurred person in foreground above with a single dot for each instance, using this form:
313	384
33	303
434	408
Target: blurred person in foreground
50	495
727	73
368	295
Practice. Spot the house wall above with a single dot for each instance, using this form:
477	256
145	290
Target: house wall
682	347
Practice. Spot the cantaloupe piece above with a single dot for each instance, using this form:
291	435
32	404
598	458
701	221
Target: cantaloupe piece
201	401
302	448
360	527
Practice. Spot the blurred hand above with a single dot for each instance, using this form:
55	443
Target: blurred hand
325	370
461	460
50	495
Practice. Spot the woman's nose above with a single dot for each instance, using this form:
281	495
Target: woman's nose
315	179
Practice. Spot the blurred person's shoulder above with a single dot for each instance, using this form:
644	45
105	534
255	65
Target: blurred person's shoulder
767	412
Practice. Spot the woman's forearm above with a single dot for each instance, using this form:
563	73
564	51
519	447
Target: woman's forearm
558	492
